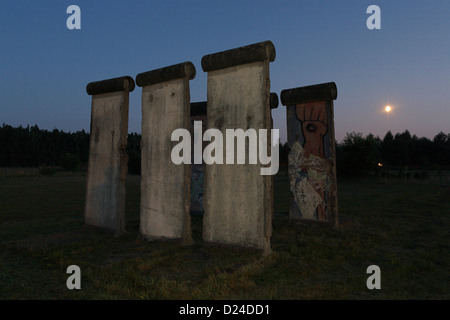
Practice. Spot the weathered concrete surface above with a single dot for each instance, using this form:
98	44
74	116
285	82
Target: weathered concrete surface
165	187
238	200
312	156
107	169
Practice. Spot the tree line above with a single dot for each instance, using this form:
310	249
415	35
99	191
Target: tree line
357	155
34	147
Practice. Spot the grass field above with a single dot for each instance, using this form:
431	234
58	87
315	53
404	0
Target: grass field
401	226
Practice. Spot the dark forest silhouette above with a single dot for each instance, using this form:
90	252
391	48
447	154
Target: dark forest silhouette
357	155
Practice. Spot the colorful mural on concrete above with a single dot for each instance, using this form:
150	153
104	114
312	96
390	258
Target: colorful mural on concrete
311	159
309	171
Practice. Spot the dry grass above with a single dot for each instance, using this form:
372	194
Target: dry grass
401	226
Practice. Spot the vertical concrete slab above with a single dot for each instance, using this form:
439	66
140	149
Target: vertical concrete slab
238	200
107	168
198	113
165	186
312	155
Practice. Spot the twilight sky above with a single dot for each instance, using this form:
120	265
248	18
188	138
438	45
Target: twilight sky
45	67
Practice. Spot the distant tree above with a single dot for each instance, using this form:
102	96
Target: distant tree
388	149
358	156
441	149
403	144
422	152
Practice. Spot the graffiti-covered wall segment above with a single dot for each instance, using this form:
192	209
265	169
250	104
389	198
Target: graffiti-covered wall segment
312	159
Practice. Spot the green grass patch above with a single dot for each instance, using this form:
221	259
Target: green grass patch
401	226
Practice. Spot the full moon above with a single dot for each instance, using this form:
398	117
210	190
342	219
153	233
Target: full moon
388	109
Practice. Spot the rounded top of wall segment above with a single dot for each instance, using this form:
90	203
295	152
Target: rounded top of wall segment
317	92
181	70
261	51
125	83
273	100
